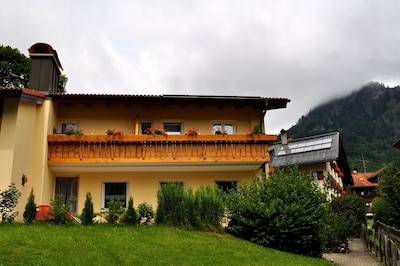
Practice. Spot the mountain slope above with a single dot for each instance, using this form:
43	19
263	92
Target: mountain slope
368	121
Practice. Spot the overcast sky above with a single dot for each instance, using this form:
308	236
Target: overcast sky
307	51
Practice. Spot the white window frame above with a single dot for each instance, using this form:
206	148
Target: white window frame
173	132
223	126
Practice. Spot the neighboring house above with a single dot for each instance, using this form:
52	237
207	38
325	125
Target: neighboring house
37	152
365	186
323	156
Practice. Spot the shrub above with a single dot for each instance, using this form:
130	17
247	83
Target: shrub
285	211
87	212
345	217
115	211
8	202
146	213
202	209
61	210
210	201
130	214
171	202
30	209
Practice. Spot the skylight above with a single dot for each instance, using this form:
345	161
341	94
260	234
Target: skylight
306	146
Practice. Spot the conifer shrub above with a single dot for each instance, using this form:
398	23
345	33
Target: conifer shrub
130	216
60	210
115	211
8	201
87	212
30	208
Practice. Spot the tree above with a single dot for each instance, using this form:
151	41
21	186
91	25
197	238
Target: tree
284	211
30	208
346	215
87	212
130	214
386	206
14	67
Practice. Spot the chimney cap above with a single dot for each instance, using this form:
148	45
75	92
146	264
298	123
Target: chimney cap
44	49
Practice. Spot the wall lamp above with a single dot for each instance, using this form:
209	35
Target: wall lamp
24	179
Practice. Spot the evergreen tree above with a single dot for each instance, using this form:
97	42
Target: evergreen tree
30	209
87	212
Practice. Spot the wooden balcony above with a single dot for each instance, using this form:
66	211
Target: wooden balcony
103	149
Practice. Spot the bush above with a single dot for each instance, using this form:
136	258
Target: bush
386	206
346	215
171	202
285	211
130	216
146	213
8	202
87	212
30	209
202	209
61	210
115	211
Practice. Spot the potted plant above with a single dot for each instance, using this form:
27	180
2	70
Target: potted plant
193	131
157	130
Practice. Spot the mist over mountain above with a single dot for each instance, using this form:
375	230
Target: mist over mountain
369	123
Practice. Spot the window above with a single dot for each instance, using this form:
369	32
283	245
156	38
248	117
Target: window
68	126
116	191
173	128
68	187
144	126
226	186
163	183
220	128
318	175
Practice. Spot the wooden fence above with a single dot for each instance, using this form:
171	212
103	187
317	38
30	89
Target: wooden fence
383	242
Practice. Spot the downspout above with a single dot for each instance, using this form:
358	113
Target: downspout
264	111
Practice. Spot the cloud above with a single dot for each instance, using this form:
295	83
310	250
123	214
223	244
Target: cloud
307	51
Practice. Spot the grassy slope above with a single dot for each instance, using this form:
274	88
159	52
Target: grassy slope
42	244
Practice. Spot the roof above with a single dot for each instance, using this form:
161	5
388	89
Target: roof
303	151
202	100
365	179
44	49
24	94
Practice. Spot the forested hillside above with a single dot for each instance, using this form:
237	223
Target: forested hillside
368	121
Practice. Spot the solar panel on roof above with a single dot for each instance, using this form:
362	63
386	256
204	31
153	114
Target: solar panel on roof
306	146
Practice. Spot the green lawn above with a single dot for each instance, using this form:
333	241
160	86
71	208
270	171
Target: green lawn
46	244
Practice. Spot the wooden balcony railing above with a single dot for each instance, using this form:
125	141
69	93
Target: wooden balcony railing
64	149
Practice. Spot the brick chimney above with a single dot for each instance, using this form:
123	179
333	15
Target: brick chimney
45	68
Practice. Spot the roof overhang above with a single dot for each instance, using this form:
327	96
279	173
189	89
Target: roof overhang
157	167
201	100
23	94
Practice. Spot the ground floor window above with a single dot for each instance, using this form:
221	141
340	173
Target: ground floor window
163	183
68	187
226	186
116	191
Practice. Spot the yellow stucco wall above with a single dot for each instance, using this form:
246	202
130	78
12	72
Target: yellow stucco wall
143	186
97	118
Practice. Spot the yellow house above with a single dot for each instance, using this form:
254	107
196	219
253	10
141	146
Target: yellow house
36	150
